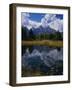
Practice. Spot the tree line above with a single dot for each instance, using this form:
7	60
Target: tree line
29	35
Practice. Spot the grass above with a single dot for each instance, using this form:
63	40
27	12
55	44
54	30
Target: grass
49	43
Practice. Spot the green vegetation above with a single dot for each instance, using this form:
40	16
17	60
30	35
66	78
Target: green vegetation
29	35
30	39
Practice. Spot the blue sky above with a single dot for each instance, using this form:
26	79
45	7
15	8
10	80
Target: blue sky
29	20
38	16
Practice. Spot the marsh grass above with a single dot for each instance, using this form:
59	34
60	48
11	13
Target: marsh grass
49	43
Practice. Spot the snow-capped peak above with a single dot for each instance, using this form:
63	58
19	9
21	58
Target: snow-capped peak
49	20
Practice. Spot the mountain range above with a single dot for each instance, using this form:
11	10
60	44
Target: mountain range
43	30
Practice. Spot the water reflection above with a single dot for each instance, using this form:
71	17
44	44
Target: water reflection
42	60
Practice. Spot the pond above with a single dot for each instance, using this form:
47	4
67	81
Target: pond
42	61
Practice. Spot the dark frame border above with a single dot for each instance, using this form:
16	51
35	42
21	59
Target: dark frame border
12	40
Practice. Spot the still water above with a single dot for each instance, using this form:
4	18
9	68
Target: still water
42	59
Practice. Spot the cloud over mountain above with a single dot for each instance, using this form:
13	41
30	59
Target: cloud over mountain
57	25
25	20
47	20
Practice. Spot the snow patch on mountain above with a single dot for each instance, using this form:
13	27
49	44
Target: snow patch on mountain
49	20
48	58
57	25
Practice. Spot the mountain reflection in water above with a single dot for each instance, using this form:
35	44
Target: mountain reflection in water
42	60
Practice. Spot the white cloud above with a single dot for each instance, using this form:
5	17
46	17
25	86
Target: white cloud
50	17
57	25
52	21
27	22
44	22
34	23
48	20
25	18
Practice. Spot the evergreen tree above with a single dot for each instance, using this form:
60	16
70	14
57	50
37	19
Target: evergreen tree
24	34
31	35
